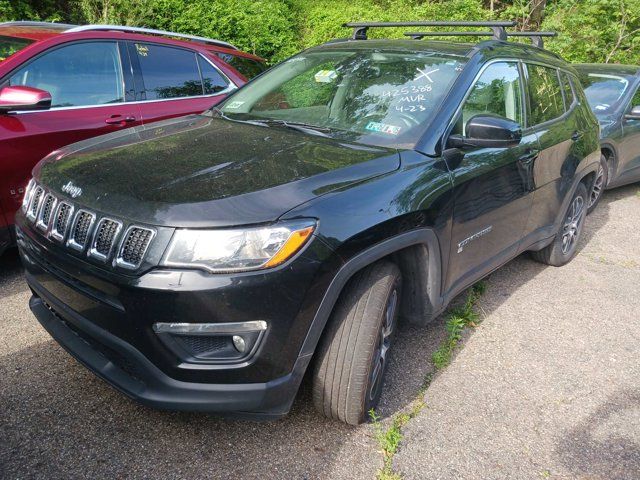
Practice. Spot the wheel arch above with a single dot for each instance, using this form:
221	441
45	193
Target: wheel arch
610	152
422	286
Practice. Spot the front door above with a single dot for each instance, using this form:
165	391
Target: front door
492	191
87	86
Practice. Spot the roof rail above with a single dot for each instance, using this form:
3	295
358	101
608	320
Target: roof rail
150	31
535	37
49	25
498	28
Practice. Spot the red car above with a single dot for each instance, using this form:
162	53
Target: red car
60	84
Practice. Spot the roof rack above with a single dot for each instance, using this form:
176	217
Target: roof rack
535	37
360	28
150	31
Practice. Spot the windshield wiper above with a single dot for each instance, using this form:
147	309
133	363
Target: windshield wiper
259	123
299	126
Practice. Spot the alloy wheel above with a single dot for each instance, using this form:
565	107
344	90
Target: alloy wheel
384	344
572	224
598	187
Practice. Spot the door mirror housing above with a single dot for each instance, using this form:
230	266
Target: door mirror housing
633	114
16	98
488	131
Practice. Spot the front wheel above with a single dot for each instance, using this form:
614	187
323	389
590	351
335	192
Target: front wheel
599	184
354	351
565	244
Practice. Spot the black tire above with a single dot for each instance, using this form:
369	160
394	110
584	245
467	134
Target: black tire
564	247
353	353
599	184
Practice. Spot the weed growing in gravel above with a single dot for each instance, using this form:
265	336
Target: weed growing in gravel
457	321
389	438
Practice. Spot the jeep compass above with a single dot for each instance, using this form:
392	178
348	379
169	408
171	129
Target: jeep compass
206	263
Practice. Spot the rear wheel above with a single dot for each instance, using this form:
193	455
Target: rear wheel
565	245
354	352
599	184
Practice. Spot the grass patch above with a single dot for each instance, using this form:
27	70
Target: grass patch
459	318
389	438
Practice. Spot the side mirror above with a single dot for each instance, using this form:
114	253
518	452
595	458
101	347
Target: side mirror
634	113
488	131
23	98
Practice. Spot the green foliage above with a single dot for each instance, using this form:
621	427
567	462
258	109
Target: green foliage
589	30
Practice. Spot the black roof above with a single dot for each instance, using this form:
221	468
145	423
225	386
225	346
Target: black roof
488	48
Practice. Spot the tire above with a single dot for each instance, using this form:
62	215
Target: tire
564	247
353	353
599	184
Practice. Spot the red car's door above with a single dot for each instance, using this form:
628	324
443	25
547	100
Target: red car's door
174	81
88	82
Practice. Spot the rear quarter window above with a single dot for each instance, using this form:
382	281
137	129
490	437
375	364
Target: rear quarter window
248	67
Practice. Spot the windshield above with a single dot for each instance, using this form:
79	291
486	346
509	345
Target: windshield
10	45
375	97
604	91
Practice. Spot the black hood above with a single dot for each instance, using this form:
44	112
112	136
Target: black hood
202	171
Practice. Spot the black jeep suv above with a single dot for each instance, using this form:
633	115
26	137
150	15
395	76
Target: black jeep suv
205	263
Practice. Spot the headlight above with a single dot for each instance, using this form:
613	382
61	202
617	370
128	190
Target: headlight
235	250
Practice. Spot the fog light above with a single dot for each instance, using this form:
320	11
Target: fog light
238	342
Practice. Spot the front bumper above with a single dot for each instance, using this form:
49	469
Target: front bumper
105	320
126	369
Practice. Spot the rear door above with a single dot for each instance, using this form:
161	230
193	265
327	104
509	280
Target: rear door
173	81
88	82
560	128
492	193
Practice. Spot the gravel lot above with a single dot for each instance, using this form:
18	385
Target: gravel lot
548	386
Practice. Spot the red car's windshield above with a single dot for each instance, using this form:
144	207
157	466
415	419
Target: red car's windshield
10	45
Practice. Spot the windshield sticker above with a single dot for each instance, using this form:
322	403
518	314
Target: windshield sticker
325	76
383	128
426	75
233	105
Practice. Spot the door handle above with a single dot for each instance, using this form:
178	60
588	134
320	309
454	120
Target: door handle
529	156
576	136
120	120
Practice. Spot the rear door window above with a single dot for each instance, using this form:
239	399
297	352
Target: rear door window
545	94
81	74
168	72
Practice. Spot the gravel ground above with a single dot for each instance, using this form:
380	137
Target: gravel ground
547	385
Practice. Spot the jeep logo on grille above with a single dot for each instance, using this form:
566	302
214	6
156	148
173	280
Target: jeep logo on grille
72	190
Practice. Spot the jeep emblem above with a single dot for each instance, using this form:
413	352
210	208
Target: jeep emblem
72	190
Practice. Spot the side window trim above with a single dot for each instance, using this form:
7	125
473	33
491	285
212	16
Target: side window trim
562	74
124	62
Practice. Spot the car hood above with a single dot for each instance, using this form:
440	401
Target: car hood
203	171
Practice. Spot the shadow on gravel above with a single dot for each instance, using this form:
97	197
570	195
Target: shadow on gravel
11	280
598	447
58	421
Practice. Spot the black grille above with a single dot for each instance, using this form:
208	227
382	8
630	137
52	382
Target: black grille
199	344
135	245
62	219
105	236
37	196
47	209
80	231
